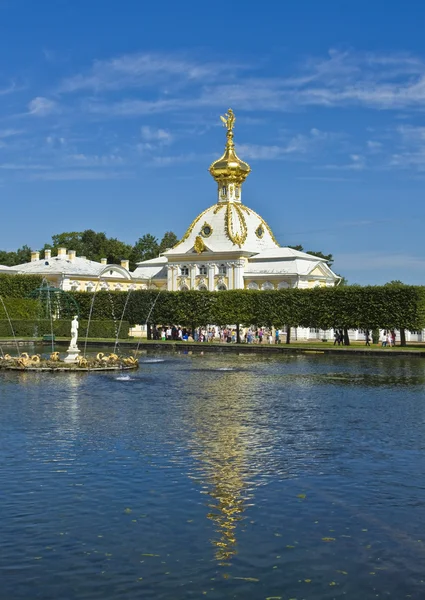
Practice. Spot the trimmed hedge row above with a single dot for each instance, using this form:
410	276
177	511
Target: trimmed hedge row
18	286
350	307
62	328
19	308
388	307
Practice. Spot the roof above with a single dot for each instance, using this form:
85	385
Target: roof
62	264
6	269
285	253
154	268
287	261
226	227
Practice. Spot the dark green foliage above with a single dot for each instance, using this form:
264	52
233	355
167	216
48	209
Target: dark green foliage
19	308
352	307
18	286
168	241
10	259
61	328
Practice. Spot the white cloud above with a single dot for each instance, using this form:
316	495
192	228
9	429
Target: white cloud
374	146
9	89
142	70
6	133
76	174
358	163
22	167
42	107
161	136
296	145
94	160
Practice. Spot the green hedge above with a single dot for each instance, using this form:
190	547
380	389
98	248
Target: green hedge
19	308
392	307
18	286
62	328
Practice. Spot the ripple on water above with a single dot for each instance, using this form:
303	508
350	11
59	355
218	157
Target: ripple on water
288	479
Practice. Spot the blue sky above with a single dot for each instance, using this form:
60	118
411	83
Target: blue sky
109	119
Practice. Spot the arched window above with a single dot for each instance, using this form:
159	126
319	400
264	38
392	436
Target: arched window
118	287
252	285
75	286
184	288
222	269
283	285
221	287
184	270
267	286
202	288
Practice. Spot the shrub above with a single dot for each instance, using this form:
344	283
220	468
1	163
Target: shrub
18	286
62	328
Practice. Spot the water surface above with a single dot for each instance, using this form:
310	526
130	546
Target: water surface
229	476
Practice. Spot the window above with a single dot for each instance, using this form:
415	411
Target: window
221	287
206	230
184	288
259	232
202	270
203	288
267	286
222	270
252	285
283	285
184	271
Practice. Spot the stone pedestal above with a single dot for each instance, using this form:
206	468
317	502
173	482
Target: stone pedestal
72	354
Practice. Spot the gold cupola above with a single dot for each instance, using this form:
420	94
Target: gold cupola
229	170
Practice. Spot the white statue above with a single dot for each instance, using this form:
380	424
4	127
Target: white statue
74	332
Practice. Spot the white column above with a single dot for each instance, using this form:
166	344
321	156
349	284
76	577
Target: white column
192	273
175	271
211	273
170	278
238	281
230	277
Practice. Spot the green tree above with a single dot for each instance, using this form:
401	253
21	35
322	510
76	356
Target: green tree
145	248
168	241
18	257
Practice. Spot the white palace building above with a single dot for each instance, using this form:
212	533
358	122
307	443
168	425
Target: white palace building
227	246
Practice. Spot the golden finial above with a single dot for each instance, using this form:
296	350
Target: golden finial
229	168
228	120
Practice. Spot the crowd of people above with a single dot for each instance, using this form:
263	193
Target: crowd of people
229	335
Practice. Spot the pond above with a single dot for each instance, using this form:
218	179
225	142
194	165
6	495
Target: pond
235	476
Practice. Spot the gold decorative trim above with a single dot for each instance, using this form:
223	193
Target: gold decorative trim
236	238
219	207
263	222
206	235
191	226
199	245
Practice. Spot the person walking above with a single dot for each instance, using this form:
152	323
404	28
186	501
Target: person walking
367	337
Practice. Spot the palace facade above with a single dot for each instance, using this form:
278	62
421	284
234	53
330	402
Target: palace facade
229	246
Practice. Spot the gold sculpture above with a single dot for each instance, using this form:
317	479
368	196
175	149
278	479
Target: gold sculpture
229	120
199	245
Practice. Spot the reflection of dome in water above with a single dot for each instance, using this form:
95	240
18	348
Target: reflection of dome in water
226	461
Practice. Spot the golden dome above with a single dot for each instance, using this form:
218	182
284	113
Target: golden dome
229	168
